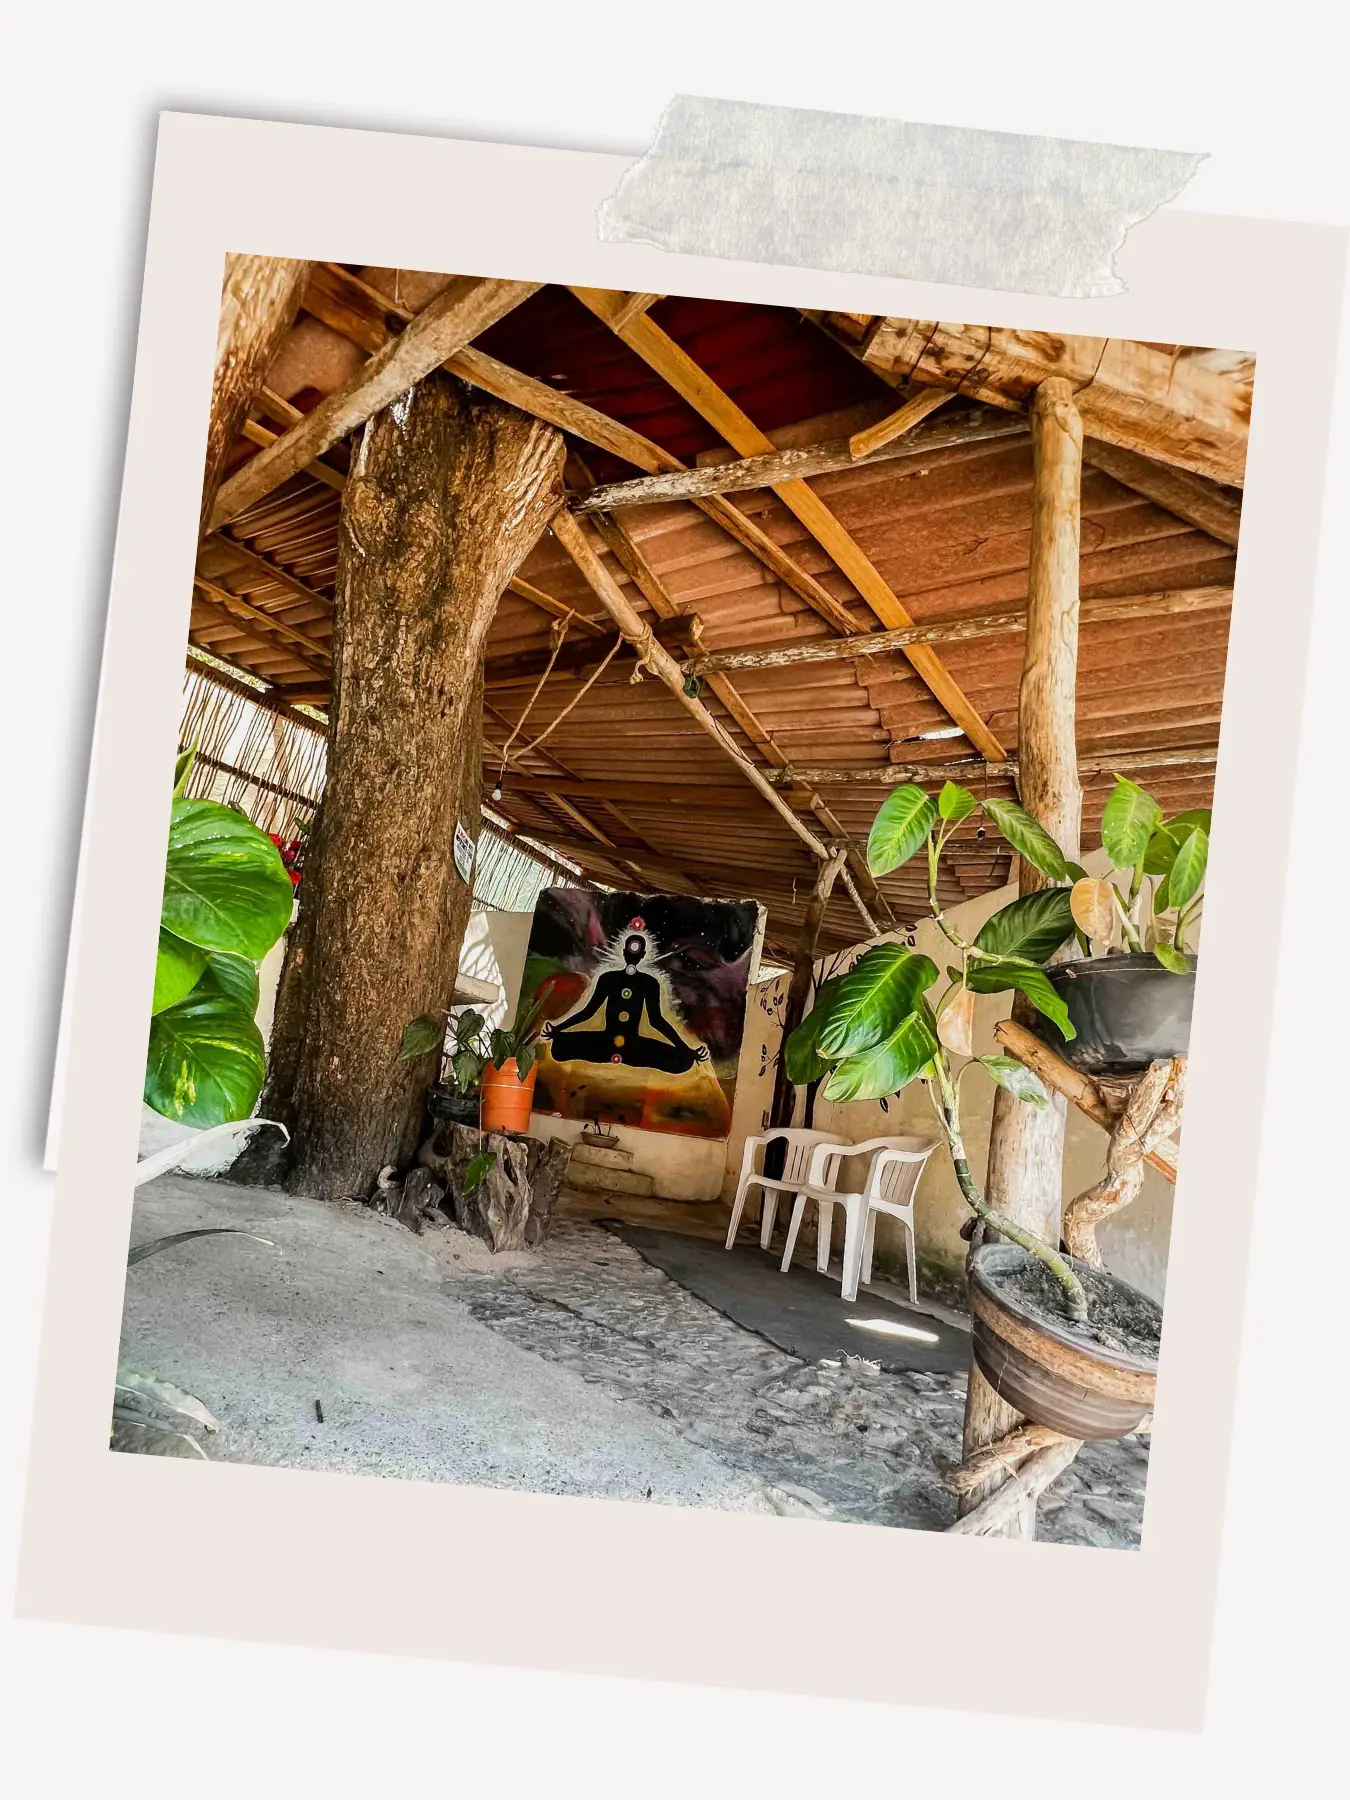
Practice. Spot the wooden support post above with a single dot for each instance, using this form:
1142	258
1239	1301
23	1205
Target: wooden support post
799	989
1026	1144
449	492
258	304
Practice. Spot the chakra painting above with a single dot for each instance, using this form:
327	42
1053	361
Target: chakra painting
644	1001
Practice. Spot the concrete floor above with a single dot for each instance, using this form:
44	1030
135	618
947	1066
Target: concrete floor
578	1368
352	1311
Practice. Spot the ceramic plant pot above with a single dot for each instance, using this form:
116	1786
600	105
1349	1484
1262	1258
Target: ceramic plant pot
1127	1010
1033	1358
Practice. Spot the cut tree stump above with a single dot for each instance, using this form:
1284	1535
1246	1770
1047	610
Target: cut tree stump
511	1207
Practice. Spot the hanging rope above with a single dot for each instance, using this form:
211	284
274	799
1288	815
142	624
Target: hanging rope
614	648
559	633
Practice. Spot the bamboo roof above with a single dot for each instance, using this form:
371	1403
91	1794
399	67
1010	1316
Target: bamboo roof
930	530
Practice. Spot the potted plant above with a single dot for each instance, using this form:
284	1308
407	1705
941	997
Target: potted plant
1071	1347
492	1074
227	899
1130	996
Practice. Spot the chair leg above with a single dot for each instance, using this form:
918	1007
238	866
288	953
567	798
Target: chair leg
824	1232
768	1216
910	1257
737	1208
853	1247
869	1241
794	1226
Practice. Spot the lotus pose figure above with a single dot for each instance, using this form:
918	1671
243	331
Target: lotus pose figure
626	996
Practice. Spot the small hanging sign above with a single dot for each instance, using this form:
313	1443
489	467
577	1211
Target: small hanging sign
464	853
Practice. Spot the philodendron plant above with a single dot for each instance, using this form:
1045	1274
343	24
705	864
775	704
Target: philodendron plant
874	1030
1162	865
227	899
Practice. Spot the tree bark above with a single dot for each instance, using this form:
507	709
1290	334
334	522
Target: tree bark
258	304
448	493
1026	1144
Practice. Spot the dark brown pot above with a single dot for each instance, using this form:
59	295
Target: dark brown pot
1127	1010
1039	1364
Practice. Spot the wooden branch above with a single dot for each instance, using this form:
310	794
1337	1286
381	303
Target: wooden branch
259	434
955	631
466	308
308	651
896	424
1148	1119
1005	1455
891	774
258	302
770	468
1079	1089
572	536
679	369
525	590
1201	503
1004	1505
633	305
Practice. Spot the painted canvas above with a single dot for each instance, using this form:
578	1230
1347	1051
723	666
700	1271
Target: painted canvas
643	997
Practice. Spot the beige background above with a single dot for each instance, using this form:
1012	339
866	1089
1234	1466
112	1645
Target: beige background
343	1561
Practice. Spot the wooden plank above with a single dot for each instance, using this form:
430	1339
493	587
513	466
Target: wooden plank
679	369
770	469
252	559
633	304
890	774
863	443
526	590
258	302
310	653
954	631
1201	503
466	308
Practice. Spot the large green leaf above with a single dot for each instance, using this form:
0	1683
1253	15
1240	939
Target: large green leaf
1034	926
801	1053
1019	1080
234	976
1188	871
993	978
178	967
883	987
225	885
955	803
887	1067
421	1036
205	1061
1129	820
1160	852
906	817
1172	958
1183	822
1028	837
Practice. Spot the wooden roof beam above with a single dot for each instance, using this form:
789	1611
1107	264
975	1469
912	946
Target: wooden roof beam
1167	603
466	308
676	367
313	655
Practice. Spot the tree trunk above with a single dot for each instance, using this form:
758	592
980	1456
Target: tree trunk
1026	1145
258	304
447	494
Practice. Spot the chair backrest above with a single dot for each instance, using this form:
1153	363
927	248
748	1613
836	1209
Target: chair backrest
898	1180
799	1143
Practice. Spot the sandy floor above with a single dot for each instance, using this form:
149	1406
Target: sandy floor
575	1369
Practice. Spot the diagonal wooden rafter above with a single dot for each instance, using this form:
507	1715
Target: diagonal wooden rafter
346	304
679	369
465	308
658	597
314	655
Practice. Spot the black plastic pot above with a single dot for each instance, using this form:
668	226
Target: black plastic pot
445	1102
1128	1011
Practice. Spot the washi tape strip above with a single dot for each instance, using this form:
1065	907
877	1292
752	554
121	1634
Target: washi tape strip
988	209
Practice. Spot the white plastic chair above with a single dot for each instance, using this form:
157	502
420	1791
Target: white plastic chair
796	1165
889	1185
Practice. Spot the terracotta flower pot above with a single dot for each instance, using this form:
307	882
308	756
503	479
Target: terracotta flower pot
1034	1359
507	1099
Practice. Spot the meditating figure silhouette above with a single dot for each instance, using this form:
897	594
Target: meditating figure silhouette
627	996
